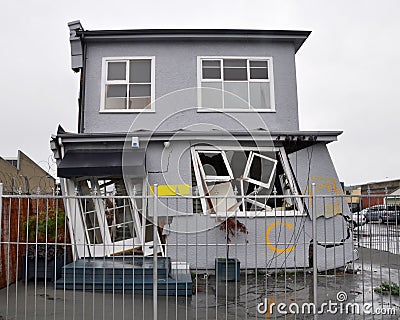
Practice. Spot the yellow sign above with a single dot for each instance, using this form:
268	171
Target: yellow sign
268	241
171	190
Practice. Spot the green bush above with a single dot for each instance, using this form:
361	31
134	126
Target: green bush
51	223
388	288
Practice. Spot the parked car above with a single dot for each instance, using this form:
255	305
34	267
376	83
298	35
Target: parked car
382	213
358	219
391	214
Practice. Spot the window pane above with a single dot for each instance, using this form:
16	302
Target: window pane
213	164
236	95
115	103
259	63
258	73
260	95
139	103
211	63
115	97
235	74
116	71
140	90
211	73
211	95
140	71
116	90
242	63
261	169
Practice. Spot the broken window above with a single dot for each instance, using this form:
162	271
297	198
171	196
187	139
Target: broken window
89	216
118	211
260	170
214	166
111	221
243	180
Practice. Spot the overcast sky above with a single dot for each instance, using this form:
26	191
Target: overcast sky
347	71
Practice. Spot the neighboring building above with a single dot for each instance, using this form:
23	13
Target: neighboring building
393	198
23	175
354	199
375	193
197	112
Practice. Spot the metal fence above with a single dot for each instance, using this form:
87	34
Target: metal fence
253	257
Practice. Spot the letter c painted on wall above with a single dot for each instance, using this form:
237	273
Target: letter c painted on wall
270	245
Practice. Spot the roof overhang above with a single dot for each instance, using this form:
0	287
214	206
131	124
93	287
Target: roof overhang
292	141
297	37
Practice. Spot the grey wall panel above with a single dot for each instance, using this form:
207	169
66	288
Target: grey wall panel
176	69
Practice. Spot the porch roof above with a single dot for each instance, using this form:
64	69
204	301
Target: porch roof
292	141
76	163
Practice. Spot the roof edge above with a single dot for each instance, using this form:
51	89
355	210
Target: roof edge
296	36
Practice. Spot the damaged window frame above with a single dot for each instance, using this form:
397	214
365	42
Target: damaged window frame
250	163
206	203
98	196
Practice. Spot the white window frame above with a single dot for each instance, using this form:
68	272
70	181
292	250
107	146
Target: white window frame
270	80
267	211
248	167
215	178
104	81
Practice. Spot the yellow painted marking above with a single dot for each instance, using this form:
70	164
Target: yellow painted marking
270	245
171	190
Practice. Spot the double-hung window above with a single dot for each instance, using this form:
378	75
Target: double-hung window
128	84
236	84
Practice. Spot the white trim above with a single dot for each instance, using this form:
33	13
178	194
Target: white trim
236	148
127	111
298	210
248	166
270	80
215	178
104	81
291	179
201	109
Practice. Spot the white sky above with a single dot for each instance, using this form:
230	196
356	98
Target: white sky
347	71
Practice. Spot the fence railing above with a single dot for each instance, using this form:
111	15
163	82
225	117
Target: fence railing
217	257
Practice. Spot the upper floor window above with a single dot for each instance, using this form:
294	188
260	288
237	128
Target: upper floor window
236	84
128	84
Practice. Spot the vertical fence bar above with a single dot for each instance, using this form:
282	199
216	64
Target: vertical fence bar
155	247
1	207
314	235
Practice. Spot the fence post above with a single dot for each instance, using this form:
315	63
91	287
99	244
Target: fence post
314	236
1	207
155	251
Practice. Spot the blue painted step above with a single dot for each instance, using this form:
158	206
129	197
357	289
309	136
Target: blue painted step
129	273
116	268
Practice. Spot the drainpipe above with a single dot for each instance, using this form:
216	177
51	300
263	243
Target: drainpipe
81	114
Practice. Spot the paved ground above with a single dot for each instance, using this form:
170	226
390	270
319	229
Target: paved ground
385	237
228	300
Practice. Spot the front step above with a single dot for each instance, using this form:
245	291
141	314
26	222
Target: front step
127	273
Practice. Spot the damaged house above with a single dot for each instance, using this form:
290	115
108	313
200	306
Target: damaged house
211	117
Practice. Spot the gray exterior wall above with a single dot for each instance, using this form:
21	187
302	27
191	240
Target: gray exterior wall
176	69
201	248
313	164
